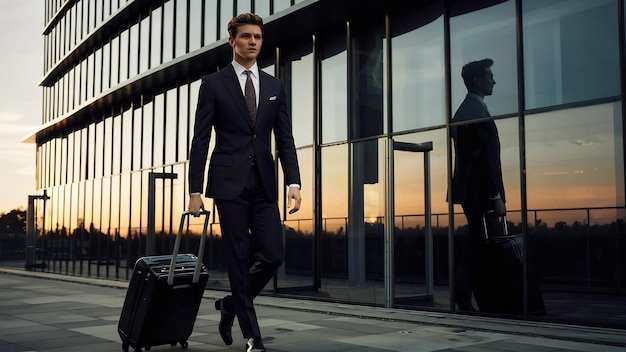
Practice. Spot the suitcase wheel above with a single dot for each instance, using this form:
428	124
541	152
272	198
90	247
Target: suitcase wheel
183	344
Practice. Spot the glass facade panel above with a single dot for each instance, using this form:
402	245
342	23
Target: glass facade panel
301	85
144	44
73	89
367	108
334	250
83	152
79	21
575	158
106	67
170	126
211	21
185	115
280	5
262	8
562	41
148	137
487	33
89	151
124	141
168	31
124	56
156	35
365	235
179	199
227	8
88	226
417	63
115	61
195	25
180	29
63	167
99	12
136	220
157	146
84	27
133	53
98	150
78	194
63	96
115	243
90	80
137	138
245	6
126	212
410	171
107	149
116	145
106	10
297	270
334	93
76	157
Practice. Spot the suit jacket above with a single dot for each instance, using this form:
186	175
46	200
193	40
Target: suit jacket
478	170
239	143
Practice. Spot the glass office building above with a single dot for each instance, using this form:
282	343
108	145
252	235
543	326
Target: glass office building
372	88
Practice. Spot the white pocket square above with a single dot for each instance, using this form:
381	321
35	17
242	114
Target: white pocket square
273	98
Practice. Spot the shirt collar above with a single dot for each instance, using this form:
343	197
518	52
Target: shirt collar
475	96
239	69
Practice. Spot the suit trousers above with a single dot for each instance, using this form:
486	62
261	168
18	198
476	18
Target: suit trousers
253	248
464	251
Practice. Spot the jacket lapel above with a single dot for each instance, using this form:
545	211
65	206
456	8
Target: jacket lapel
232	85
264	95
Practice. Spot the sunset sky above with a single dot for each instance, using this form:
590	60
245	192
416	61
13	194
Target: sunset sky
21	66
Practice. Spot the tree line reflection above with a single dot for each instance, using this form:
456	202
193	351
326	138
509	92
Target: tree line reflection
579	254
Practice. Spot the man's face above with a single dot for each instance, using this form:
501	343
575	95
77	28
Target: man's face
486	83
247	43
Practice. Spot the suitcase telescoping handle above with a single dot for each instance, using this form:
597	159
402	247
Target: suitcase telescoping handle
196	273
505	228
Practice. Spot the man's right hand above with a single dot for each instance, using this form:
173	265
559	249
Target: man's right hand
195	204
497	207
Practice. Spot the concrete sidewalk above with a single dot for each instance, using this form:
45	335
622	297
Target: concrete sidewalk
49	312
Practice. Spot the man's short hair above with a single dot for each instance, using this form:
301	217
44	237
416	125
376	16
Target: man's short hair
243	19
473	70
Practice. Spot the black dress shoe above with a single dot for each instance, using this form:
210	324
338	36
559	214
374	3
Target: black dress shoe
464	303
255	345
226	322
465	307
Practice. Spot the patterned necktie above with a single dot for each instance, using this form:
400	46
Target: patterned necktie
250	96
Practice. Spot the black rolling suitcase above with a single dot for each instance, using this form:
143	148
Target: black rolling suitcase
497	278
164	296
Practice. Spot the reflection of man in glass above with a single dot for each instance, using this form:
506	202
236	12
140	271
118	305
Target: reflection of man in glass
477	182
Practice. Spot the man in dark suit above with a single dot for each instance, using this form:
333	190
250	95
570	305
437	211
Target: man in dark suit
477	181
244	105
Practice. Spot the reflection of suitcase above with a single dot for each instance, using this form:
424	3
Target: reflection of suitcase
163	297
497	279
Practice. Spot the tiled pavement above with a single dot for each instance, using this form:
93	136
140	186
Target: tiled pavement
56	313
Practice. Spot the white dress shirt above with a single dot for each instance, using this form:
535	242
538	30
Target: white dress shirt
242	76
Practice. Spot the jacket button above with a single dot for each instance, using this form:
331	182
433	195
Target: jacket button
249	156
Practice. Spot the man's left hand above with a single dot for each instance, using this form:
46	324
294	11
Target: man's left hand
294	194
